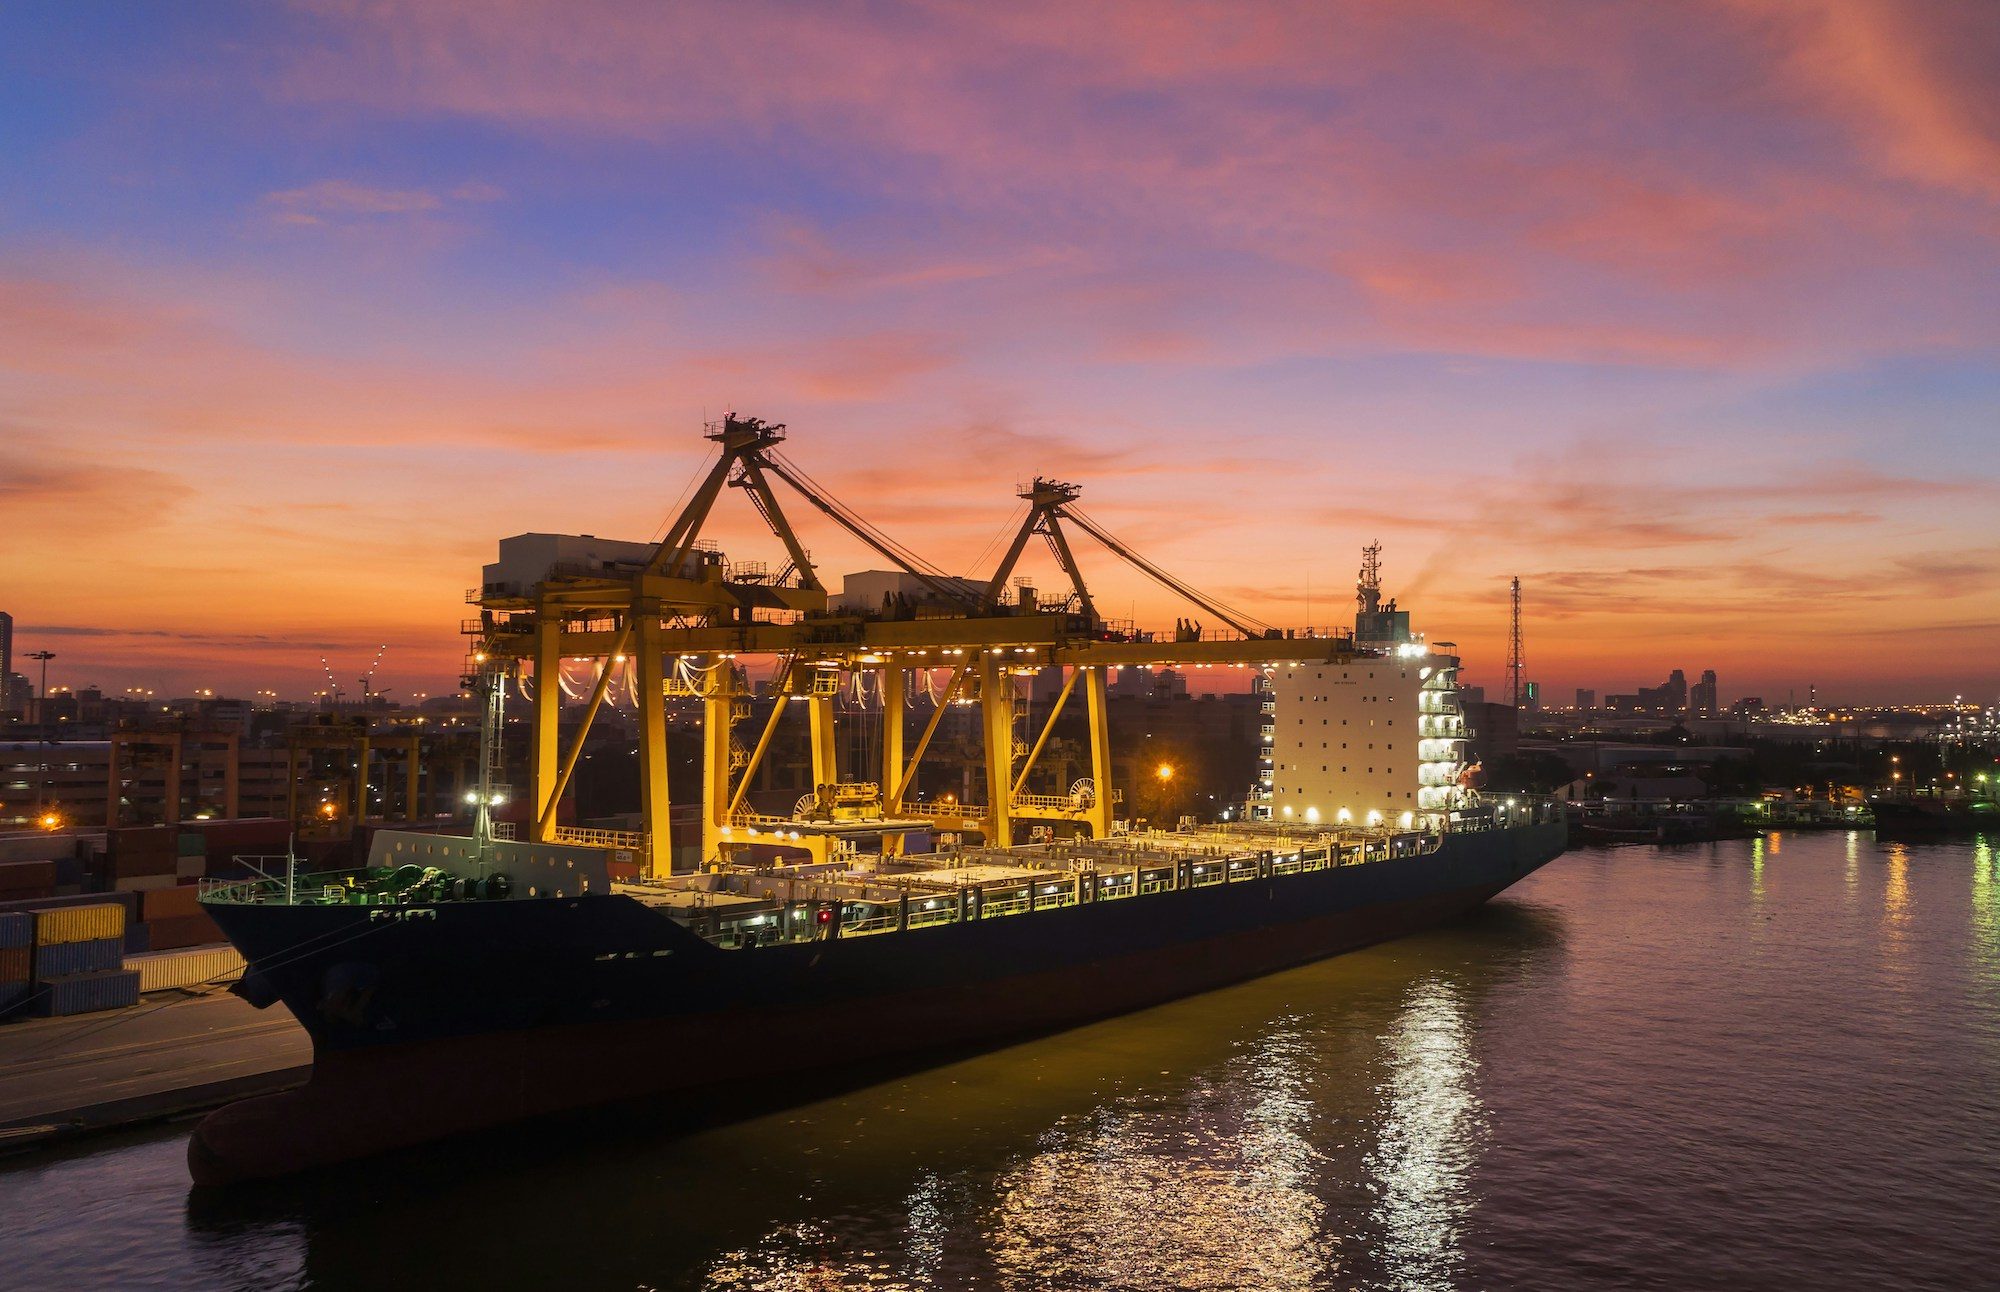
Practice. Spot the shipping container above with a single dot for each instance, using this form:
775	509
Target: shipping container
23	877
85	993
145	883
130	867
38	846
184	931
138	937
191	844
16	964
13	995
17	929
203	966
133	842
164	903
79	923
129	901
61	959
186	867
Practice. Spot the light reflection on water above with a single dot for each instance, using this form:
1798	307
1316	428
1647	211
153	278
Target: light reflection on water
1216	1192
1578	1087
1428	1142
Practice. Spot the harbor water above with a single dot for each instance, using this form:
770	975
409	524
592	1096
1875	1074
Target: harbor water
1767	1063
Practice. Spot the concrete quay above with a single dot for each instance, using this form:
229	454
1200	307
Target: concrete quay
175	1053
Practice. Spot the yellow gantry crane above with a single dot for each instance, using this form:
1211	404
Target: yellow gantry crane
686	618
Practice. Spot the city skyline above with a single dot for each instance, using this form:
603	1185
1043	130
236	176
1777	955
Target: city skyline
1683	322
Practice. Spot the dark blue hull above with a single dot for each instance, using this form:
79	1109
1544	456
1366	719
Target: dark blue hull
432	1021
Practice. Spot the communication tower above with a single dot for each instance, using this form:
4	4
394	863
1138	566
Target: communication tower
1514	646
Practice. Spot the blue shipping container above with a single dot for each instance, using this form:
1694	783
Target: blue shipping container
86	993
12	994
17	929
59	959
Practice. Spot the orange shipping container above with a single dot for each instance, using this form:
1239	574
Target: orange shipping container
166	903
183	931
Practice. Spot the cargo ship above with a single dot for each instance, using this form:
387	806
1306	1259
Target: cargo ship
455	983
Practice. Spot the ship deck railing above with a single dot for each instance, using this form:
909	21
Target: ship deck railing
993	883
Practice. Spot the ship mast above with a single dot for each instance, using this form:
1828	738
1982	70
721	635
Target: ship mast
489	683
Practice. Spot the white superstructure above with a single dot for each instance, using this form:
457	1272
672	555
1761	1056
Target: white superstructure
1377	740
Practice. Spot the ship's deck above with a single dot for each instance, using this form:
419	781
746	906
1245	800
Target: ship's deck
743	906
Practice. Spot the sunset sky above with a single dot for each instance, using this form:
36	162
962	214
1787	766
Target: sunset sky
1686	313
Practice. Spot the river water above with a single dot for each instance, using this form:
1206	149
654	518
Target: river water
1771	1063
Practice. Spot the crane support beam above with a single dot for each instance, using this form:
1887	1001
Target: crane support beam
547	715
1067	559
654	799
760	489
547	802
894	708
1055	711
718	715
996	707
998	583
1097	695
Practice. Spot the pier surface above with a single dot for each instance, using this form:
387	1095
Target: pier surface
171	1054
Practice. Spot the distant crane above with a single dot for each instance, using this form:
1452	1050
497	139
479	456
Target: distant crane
1514	646
368	691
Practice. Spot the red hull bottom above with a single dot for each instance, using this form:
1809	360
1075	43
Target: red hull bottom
360	1103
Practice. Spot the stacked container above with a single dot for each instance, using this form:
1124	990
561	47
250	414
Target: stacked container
142	857
175	919
79	960
190	856
17	951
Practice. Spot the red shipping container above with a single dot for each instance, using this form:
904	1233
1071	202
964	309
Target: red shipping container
136	841
15	962
21	877
169	903
624	872
252	836
183	931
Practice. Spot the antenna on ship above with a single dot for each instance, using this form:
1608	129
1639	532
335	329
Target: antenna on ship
1514	646
1368	589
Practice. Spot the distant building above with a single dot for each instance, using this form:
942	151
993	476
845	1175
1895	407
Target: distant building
1701	696
6	663
1669	698
1494	730
1531	696
1586	700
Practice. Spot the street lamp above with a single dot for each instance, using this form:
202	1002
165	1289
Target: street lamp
1165	771
42	721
